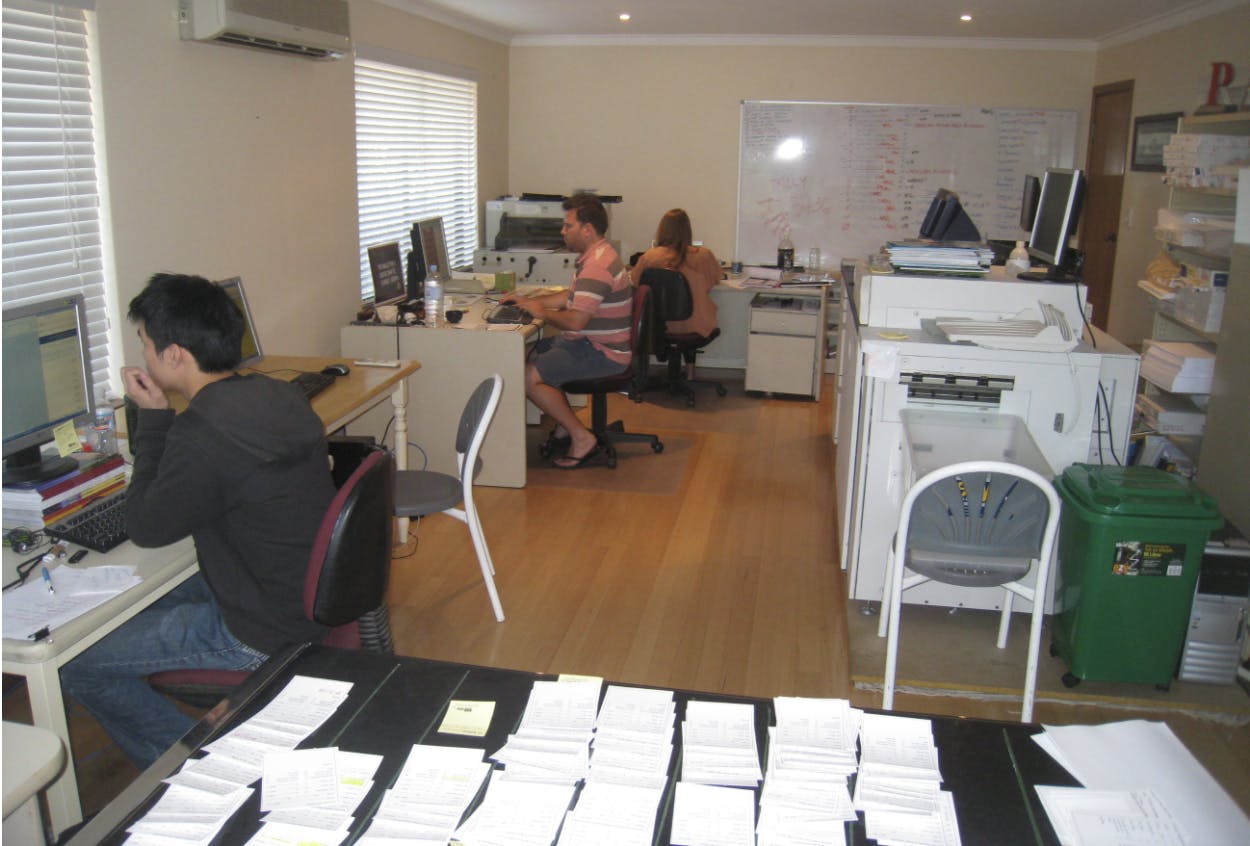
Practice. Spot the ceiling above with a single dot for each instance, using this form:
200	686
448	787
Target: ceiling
1077	22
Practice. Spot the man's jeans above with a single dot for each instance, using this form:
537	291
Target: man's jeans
181	630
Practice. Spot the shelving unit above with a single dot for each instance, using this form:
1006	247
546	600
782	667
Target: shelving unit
1191	314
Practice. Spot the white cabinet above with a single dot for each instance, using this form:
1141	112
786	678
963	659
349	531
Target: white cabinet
786	343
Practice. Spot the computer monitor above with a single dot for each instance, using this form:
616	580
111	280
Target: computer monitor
1028	201
47	382
431	240
251	352
388	274
946	220
1058	211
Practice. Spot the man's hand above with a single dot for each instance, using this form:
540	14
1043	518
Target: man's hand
141	388
533	306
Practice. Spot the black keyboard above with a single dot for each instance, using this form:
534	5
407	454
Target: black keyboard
313	383
100	526
508	313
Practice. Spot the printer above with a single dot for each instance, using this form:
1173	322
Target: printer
523	235
1075	404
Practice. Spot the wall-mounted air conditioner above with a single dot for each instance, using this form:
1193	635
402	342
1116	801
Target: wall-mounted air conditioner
319	29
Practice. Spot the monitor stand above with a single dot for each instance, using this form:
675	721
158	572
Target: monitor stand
30	465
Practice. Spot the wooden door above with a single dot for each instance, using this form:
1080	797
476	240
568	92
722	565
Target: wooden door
1110	116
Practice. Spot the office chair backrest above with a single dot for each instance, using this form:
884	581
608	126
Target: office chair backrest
350	560
640	337
475	419
670	294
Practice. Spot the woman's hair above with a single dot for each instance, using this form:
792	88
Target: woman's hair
674	233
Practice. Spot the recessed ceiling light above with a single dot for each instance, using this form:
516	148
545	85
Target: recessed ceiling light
965	18
624	16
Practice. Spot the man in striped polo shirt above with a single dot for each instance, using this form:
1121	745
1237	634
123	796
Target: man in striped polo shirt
594	316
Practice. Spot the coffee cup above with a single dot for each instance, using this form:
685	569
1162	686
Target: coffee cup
388	313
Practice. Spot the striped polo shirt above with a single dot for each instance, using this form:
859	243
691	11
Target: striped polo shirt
601	289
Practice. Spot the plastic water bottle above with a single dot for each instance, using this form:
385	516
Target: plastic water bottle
433	297
1018	261
785	252
104	431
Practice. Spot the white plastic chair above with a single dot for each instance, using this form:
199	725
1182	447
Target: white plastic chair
422	492
976	524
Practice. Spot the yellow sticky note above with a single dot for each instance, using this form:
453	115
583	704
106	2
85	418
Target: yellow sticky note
67	439
467	717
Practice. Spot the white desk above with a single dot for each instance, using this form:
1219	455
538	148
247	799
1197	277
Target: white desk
40	662
454	360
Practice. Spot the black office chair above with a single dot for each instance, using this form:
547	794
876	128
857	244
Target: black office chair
630	381
670	293
348	570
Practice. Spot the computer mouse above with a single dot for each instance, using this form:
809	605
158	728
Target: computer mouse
336	370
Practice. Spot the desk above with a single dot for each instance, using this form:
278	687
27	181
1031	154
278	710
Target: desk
165	567
455	359
395	702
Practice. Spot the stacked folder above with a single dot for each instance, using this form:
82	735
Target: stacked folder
1180	367
1205	160
34	505
923	256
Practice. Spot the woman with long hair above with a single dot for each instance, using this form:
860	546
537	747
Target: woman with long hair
674	249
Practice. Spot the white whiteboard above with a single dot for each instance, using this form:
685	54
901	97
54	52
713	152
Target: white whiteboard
865	173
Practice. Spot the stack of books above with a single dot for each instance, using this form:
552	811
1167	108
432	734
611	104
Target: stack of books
33	505
918	255
1179	367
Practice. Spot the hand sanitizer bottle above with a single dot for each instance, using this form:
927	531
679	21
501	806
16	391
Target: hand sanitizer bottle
1018	261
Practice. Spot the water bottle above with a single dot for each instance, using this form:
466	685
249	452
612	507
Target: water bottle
433	297
104	431
785	252
813	261
1018	261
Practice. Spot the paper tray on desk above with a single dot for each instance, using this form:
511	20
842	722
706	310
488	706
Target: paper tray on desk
937	439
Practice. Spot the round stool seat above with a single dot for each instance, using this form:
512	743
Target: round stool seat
422	492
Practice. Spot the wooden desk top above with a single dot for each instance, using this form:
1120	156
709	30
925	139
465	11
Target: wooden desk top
350	395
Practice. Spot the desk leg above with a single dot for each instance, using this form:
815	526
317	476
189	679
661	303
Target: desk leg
399	400
47	708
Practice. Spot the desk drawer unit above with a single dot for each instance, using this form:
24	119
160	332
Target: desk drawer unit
783	345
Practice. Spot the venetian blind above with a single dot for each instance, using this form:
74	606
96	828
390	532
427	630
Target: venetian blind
53	237
416	157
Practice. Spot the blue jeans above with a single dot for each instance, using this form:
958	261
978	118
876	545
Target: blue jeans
181	630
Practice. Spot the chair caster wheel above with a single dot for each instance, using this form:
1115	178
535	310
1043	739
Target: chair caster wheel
1070	680
657	447
1054	650
721	391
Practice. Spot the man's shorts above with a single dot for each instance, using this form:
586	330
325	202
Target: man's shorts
560	360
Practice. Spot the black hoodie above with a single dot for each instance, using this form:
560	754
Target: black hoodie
243	470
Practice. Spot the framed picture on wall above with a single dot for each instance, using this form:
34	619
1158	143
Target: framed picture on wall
1150	134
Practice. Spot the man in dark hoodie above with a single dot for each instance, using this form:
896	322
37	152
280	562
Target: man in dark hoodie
243	470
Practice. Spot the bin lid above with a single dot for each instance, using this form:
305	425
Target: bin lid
1136	492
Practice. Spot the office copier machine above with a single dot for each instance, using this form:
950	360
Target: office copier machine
1076	405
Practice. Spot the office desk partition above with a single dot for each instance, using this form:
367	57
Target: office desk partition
163	568
395	702
454	359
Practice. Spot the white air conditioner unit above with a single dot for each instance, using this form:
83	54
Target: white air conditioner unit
318	29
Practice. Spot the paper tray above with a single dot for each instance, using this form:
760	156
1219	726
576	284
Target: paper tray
935	439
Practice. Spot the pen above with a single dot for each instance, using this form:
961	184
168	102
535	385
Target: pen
963	494
985	494
47	580
1003	501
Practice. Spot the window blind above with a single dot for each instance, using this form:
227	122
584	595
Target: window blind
416	157
53	237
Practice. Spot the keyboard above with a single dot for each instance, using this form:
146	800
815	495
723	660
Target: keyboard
508	313
100	526
313	383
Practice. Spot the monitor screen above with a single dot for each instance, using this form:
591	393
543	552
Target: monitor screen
1028	202
946	220
1058	210
433	246
47	382
388	274
251	353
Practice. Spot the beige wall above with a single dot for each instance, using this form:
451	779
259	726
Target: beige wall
225	161
659	124
1171	73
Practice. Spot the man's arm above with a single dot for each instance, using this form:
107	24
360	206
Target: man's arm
171	491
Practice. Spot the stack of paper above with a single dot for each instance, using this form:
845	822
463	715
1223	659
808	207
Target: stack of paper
899	785
32	607
811	753
33	505
429	796
719	745
1081	816
310	795
704	815
620	814
516	812
633	740
206	791
552	744
1179	366
1200	160
922	256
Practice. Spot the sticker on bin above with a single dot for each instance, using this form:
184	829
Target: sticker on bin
1139	558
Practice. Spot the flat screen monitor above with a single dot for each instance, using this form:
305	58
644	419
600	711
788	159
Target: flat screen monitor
430	239
947	220
1058	211
251	352
388	274
1028	202
47	382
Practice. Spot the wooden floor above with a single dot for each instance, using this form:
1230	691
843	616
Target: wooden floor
729	583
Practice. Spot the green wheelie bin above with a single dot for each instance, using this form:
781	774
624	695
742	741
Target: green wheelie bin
1130	546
